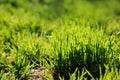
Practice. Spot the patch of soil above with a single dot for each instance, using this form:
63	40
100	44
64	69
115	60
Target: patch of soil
38	74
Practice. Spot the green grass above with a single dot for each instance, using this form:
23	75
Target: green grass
73	40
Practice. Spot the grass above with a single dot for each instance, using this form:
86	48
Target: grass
67	40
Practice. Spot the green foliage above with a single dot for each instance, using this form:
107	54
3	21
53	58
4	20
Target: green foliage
75	40
77	47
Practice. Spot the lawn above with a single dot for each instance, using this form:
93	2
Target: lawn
59	40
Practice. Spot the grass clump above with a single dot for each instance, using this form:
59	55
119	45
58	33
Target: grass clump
83	48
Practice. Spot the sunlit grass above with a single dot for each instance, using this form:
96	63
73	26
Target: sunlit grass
76	40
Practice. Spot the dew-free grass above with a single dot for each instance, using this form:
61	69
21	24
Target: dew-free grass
74	40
